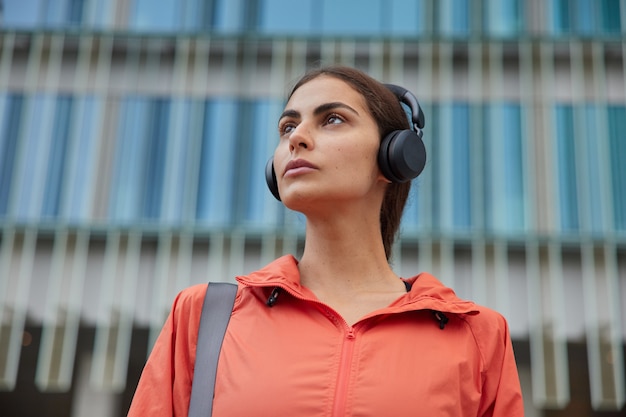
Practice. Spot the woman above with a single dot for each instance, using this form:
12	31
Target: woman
338	333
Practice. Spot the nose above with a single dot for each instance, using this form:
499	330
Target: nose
300	137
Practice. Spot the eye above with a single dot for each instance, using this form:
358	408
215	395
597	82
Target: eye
286	128
334	119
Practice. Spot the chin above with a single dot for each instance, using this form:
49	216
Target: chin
304	201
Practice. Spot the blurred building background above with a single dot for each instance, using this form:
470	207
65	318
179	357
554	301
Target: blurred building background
134	133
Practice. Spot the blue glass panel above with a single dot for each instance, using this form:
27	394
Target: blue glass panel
22	13
98	14
258	207
503	169
617	151
610	16
351	17
126	187
75	10
12	106
147	15
230	15
82	160
513	167
287	16
591	151
216	182
561	16
410	217
155	154
454	17
502	17
407	17
54	13
566	163
585	13
197	14
460	165
57	157
436	159
32	165
177	158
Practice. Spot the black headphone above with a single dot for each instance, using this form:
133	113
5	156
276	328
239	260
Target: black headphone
402	154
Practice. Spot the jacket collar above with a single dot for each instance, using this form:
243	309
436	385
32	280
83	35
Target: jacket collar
427	293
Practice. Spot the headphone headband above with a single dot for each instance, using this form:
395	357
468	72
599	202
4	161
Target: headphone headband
405	96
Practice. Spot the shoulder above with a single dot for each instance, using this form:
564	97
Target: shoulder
187	306
490	331
190	297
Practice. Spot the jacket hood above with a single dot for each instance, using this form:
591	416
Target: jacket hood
427	293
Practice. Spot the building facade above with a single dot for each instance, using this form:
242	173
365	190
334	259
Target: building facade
133	140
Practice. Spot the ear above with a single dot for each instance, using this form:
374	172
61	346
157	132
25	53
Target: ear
382	178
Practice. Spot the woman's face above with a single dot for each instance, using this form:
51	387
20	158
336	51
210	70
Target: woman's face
328	147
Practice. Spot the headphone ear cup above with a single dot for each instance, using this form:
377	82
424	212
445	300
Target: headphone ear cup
270	178
402	156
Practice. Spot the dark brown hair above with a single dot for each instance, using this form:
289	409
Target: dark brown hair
386	110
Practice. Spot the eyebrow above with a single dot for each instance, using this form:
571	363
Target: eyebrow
322	108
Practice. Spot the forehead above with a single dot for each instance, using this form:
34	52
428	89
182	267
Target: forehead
325	89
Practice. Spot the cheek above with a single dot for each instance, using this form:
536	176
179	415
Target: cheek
362	163
280	160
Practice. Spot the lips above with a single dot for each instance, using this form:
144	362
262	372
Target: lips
298	164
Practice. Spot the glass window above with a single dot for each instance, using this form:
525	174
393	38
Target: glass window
11	114
197	15
503	169
147	15
57	156
255	204
82	159
177	160
459	162
32	164
351	17
561	16
451	205
502	17
610	16
126	192
593	166
617	152
22	13
287	16
215	183
98	14
231	16
63	13
585	17
453	17
407	17
33	13
566	168
157	131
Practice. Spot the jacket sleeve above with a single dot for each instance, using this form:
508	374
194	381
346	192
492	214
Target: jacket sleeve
164	388
502	394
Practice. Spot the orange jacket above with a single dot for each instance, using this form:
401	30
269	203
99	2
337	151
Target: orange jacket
300	358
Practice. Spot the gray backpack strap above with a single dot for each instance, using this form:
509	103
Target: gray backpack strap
216	311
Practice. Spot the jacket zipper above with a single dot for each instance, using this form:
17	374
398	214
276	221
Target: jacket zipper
345	361
343	376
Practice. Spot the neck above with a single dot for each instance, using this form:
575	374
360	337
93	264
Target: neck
344	255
